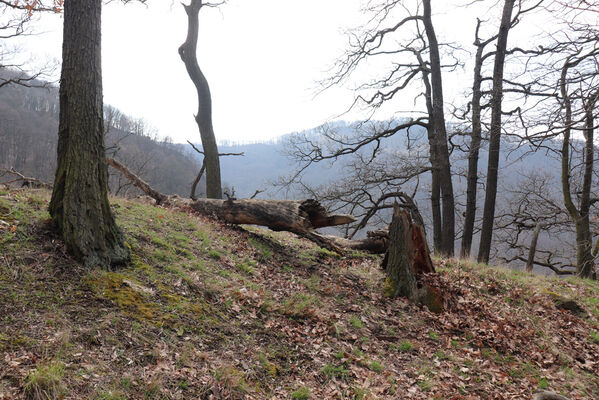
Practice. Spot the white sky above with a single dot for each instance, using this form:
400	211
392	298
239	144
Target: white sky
262	59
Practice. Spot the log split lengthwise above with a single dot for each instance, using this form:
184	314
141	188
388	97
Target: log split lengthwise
301	217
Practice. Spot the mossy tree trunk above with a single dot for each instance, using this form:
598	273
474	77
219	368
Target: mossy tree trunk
79	207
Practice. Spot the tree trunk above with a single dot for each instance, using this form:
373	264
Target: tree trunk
476	136
407	260
584	256
486	237
79	207
188	53
434	160
530	262
437	123
584	238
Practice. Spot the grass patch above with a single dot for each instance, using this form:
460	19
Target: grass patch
45	382
405	347
356	322
302	393
335	371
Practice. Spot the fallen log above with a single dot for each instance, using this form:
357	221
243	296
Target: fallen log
376	242
26	180
301	217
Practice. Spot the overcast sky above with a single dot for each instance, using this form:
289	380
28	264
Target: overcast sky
262	59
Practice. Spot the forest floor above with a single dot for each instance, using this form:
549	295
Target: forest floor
210	311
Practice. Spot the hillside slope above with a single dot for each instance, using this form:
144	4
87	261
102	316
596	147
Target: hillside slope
217	312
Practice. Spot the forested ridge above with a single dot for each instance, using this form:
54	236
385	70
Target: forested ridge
28	126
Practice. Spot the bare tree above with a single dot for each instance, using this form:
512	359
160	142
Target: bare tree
495	133
16	19
188	53
529	209
476	106
403	36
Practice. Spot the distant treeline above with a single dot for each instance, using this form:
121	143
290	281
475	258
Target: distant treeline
28	139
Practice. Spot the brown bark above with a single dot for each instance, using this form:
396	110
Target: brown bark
79	207
194	185
377	242
188	53
159	197
407	259
544	395
486	237
437	122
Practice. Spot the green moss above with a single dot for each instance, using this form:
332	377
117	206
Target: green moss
111	285
300	305
390	287
376	366
215	255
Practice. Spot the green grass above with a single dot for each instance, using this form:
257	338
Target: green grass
356	322
45	381
376	366
335	371
405	347
302	393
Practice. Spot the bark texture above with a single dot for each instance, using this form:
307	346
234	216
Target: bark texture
188	53
79	207
434	160
407	259
486	236
545	395
437	122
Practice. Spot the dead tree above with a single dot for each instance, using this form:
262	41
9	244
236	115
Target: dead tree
409	64
407	259
15	21
301	217
24	180
529	207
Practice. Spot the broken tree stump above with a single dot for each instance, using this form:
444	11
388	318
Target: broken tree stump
407	259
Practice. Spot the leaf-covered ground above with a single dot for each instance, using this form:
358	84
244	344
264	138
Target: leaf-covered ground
213	311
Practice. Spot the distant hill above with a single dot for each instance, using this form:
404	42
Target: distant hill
28	138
